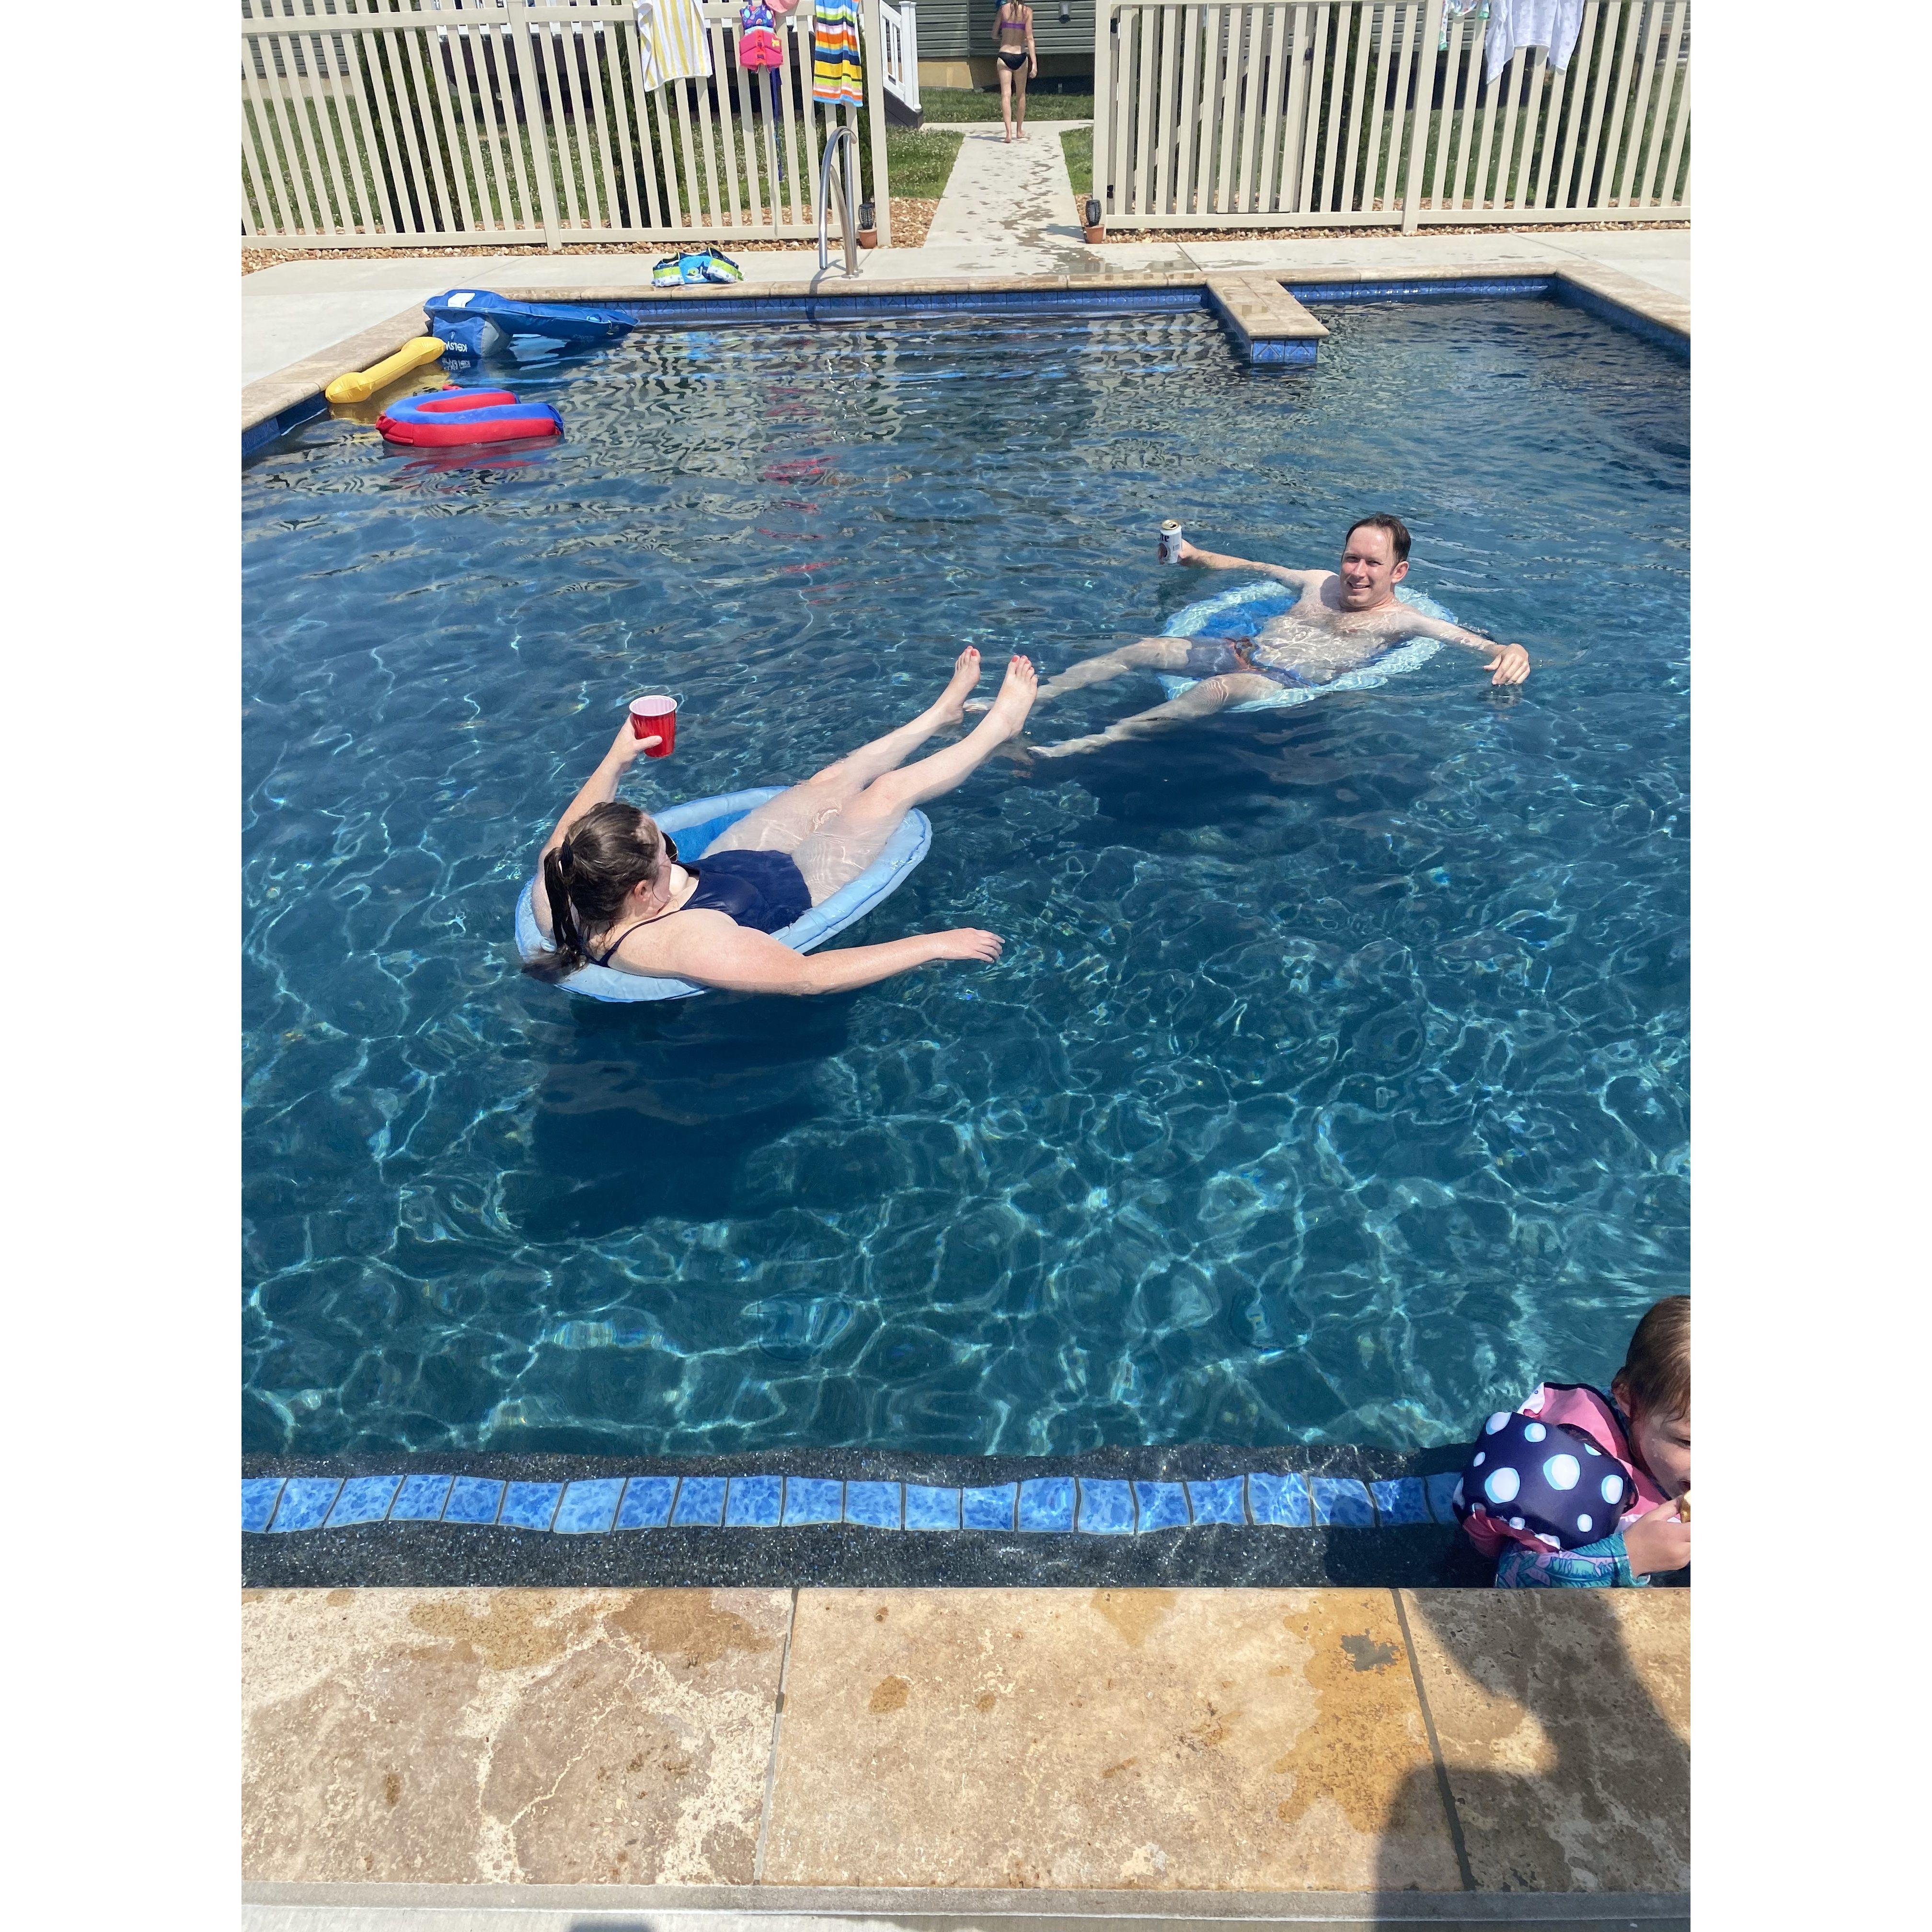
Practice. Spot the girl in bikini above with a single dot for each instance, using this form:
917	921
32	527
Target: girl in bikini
610	890
1013	35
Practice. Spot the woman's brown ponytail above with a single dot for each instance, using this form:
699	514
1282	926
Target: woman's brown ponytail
612	849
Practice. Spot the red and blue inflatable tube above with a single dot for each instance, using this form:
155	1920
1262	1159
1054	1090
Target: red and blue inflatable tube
448	417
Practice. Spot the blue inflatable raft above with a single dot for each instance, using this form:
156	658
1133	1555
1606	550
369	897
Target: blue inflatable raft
475	322
1242	611
697	825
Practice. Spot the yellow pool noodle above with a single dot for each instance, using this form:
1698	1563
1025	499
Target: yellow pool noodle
358	386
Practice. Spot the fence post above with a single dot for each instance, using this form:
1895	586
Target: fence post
1106	79
1427	55
909	55
873	26
537	124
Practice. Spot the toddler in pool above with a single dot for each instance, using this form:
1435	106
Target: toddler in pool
1581	1490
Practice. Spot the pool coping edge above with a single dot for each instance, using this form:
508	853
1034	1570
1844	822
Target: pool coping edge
900	1902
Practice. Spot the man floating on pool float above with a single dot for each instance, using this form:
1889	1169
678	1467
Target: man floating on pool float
1343	619
610	891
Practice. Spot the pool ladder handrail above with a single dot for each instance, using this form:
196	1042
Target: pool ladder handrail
841	138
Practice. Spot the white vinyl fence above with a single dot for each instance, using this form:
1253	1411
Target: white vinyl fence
899	36
1352	114
407	124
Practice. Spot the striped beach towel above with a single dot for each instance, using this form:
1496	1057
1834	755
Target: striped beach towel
836	73
671	40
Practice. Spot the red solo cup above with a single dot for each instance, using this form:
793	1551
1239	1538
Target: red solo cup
655	717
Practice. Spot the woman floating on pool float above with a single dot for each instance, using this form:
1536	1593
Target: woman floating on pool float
610	890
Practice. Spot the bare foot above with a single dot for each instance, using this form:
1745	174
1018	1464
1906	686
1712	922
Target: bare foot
951	707
1010	707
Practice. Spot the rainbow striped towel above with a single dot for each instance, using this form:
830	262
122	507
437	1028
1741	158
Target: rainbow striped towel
837	74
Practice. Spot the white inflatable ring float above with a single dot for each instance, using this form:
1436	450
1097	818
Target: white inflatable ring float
1242	611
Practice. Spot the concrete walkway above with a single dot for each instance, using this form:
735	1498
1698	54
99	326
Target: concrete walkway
1011	205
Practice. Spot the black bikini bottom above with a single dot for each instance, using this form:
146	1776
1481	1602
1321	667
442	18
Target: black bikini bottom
1015	62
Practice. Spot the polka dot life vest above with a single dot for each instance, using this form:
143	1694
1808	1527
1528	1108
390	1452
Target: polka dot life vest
1558	1473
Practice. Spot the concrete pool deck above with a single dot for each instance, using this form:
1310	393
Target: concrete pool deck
1468	1757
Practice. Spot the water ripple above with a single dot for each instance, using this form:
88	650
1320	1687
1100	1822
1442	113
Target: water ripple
1335	1080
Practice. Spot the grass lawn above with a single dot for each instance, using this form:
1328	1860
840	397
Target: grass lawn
1078	144
973	103
918	162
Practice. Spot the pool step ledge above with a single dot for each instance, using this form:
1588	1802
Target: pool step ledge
1267	324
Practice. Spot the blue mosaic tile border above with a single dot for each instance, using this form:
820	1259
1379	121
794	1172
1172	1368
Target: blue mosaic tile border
681	311
1040	1505
257	436
1288	352
1312	294
1573	295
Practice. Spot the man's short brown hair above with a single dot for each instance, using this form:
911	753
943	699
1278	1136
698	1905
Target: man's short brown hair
1398	532
1656	1373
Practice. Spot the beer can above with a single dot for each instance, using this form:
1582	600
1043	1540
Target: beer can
1170	541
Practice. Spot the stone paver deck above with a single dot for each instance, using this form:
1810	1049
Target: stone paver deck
1235	1741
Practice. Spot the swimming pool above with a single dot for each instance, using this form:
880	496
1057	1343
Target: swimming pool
1334	1085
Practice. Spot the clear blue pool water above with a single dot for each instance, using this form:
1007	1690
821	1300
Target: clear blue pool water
1333	1085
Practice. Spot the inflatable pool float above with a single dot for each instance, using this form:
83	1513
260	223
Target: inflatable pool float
473	322
697	825
1242	611
358	385
446	417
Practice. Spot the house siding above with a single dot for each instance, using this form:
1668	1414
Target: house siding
952	31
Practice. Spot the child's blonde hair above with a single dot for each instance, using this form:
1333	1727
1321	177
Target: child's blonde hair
1655	1378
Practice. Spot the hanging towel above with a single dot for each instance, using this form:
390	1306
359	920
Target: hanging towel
1459	9
1553	24
671	41
836	74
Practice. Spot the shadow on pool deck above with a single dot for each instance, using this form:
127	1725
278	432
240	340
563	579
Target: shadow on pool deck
1560	1736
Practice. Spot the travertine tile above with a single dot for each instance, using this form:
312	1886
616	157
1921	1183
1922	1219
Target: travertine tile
1565	1721
541	1736
1226	1739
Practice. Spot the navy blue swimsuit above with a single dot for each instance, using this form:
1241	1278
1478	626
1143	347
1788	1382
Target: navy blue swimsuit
763	890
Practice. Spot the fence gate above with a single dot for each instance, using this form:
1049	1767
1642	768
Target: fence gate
468	123
1353	114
